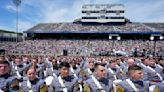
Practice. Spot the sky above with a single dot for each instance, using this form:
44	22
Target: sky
33	12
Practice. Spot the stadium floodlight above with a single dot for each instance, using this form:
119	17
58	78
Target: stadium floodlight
118	38
110	37
17	4
151	38
161	37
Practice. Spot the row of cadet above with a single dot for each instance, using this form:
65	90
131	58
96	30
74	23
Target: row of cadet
84	74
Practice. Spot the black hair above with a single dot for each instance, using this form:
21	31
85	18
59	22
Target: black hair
98	64
64	64
31	67
134	67
4	62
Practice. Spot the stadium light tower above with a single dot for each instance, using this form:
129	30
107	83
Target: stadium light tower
118	38
152	38
17	4
161	37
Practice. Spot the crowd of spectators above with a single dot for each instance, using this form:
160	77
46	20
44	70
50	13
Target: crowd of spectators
75	27
157	26
83	47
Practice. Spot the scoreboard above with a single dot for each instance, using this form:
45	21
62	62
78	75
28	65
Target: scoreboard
103	13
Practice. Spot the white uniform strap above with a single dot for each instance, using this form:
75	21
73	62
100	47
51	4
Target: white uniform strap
1	90
132	85
29	86
74	74
89	71
45	72
62	84
97	83
17	72
113	73
155	72
159	66
141	64
54	75
119	68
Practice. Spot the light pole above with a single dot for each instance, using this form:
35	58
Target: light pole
152	38
111	38
17	3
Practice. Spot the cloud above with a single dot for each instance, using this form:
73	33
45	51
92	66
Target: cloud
24	25
144	11
107	1
6	28
11	8
51	13
33	12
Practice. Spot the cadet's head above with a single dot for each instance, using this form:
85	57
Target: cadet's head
54	61
161	61
135	72
31	73
113	64
149	61
64	69
91	64
4	67
18	60
130	61
2	58
100	70
34	60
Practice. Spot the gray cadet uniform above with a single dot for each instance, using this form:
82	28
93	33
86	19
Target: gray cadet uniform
20	68
40	70
9	83
70	83
51	71
90	85
160	69
85	74
38	85
76	70
141	86
111	73
150	75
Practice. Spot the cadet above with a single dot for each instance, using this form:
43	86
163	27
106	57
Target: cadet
33	84
98	82
74	69
113	71
8	82
53	70
150	73
160	67
88	71
129	62
65	82
18	68
39	67
135	83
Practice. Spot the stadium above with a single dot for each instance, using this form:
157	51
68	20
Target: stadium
101	31
102	35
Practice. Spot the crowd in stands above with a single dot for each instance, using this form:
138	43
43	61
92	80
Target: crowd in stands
157	26
84	47
74	27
